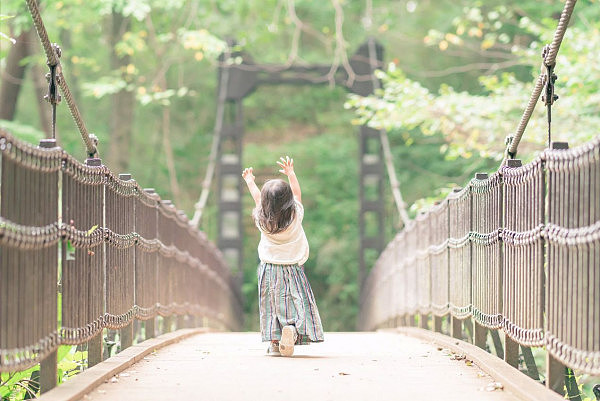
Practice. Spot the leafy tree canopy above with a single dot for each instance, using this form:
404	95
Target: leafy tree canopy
477	123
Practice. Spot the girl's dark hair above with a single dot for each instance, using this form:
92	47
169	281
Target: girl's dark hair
277	207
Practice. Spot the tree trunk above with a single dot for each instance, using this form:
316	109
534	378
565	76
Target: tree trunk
12	76
68	68
121	121
44	109
166	131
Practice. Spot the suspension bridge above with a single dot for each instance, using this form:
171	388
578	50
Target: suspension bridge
491	294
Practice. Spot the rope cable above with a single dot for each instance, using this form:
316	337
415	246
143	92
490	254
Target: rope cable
210	171
53	55
549	57
563	23
535	95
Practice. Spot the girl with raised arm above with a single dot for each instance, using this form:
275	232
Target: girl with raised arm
288	310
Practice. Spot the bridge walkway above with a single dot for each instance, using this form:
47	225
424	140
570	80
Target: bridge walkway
347	366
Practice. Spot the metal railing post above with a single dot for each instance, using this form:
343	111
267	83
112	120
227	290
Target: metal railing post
555	370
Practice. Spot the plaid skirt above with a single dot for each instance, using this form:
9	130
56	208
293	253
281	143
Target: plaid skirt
285	298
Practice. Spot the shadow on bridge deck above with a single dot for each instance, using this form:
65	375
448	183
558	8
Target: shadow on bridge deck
233	366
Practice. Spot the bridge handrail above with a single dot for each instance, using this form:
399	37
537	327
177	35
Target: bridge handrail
518	251
117	252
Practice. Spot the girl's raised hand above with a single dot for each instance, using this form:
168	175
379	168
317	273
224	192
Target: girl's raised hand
247	175
287	165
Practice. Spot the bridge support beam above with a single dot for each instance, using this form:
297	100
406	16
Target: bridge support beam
555	375
480	335
497	343
511	352
437	324
126	335
48	373
371	214
455	327
532	370
424	321
230	185
149	328
167	325
468	328
511	357
95	350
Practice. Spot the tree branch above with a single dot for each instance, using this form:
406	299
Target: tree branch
340	47
489	67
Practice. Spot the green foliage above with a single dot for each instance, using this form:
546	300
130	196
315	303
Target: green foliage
23	131
71	362
104	86
138	9
15	385
479	122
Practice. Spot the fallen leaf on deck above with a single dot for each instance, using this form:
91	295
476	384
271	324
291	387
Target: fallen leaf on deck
494	386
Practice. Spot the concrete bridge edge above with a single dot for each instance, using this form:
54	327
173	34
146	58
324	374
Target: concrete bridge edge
512	379
80	385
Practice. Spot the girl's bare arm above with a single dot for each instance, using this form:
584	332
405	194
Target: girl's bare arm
287	168
254	191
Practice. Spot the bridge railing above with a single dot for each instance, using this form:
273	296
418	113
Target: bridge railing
83	250
516	252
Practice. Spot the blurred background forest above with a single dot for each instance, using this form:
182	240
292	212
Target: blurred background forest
458	76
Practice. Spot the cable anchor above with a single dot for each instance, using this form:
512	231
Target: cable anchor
53	97
95	142
507	142
549	97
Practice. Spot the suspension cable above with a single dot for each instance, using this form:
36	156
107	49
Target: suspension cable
53	57
385	145
546	78
210	171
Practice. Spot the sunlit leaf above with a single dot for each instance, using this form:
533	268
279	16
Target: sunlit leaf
91	230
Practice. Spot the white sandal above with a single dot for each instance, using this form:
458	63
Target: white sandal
273	349
288	339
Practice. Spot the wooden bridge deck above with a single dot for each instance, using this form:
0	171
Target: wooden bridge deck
348	366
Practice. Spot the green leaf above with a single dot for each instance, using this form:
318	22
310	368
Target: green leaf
91	230
9	380
70	251
63	351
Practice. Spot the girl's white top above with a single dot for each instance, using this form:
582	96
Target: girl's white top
287	247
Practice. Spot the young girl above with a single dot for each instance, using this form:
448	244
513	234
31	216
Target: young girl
288	311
